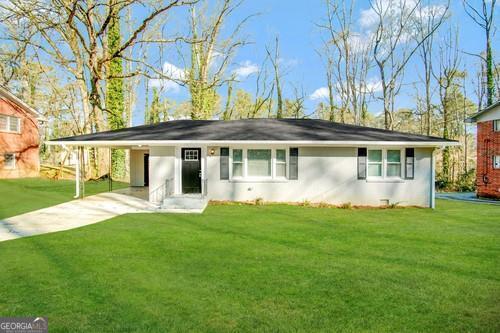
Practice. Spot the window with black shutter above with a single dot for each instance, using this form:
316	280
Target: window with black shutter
224	163
362	152
409	163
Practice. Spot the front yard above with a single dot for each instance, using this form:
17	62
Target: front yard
266	268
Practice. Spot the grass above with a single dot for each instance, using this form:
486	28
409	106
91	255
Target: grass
264	268
28	194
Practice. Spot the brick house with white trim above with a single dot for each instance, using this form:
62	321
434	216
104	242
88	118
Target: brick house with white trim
19	137
488	151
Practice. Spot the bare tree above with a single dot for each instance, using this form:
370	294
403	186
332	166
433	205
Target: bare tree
211	54
72	34
484	19
394	45
274	56
447	76
346	59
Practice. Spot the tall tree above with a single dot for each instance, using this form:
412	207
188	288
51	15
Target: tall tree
73	36
448	78
346	57
210	54
114	90
483	17
274	57
393	46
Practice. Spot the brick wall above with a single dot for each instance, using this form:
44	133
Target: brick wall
25	144
488	145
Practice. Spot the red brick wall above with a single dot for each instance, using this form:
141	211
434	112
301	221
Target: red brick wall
25	144
488	145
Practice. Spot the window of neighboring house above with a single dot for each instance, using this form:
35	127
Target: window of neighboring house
10	124
375	163
281	163
393	163
9	161
496	125
496	162
237	163
259	162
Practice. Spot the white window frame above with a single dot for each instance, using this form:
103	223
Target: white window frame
9	167
189	156
496	161
496	125
9	119
246	177
368	163
385	163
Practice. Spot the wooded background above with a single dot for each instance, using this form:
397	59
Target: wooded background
81	63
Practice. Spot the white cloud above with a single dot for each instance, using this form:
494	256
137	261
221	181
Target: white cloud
173	75
246	68
392	10
373	85
319	94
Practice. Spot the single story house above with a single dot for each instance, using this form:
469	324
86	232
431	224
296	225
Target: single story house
278	160
19	137
488	151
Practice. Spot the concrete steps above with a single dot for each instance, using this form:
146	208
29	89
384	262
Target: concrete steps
184	204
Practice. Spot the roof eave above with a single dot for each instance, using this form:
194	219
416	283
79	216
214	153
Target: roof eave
125	143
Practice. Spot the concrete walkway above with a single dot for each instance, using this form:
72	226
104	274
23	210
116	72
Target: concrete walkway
73	214
465	196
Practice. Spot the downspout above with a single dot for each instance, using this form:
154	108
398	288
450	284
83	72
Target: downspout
432	193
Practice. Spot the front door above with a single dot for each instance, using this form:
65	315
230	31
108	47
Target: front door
191	170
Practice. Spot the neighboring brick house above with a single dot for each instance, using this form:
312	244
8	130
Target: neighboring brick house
19	137
488	151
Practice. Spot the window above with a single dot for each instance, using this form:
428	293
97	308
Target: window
375	163
9	161
280	163
393	163
191	155
10	124
496	125
259	162
384	163
496	162
237	163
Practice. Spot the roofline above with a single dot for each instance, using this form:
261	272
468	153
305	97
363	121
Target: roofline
4	92
121	143
472	119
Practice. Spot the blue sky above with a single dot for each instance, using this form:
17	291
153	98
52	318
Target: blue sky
294	23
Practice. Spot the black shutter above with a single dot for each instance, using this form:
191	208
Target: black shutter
409	163
224	163
294	163
362	163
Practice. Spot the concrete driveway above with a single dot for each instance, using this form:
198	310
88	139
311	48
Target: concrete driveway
72	214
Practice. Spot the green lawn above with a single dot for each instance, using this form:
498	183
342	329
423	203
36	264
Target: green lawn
263	268
23	195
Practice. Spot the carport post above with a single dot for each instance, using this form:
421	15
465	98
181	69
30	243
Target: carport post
110	179
82	171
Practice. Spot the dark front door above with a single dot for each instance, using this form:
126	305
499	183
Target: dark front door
191	170
146	169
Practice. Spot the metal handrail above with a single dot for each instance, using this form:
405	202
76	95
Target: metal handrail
163	191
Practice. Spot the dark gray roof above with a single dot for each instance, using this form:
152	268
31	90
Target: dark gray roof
252	130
